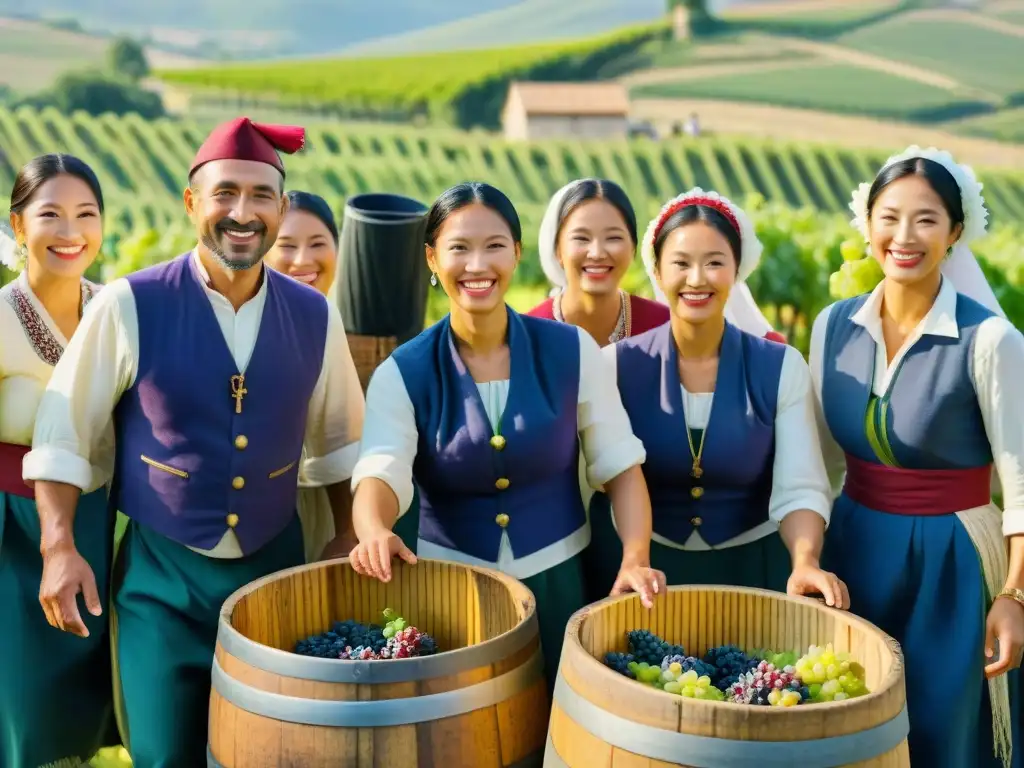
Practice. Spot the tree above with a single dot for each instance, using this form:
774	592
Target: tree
126	58
96	93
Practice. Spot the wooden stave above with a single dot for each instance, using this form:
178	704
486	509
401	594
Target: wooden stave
581	673
368	352
487	725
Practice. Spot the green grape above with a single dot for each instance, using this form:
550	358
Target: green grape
851	250
867	273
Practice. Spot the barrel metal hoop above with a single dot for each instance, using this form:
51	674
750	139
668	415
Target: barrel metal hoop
373	672
711	752
376	714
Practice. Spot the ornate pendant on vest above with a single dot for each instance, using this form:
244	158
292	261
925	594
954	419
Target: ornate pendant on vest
696	471
238	391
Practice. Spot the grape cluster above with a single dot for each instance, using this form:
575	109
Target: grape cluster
620	663
688	663
859	272
351	640
830	676
688	684
729	662
767	685
648	647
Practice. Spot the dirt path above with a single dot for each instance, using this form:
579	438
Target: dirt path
786	124
705	72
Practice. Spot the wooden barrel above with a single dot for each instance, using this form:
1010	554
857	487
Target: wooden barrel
601	718
368	352
481	703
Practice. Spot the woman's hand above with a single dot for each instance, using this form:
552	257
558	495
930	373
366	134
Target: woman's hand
372	556
809	579
1006	624
642	579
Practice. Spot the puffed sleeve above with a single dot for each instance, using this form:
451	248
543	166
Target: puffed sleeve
609	445
73	438
334	421
390	439
831	453
799	480
998	371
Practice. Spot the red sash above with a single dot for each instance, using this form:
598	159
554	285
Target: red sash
10	470
917	491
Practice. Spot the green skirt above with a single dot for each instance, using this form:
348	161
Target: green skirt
762	564
559	592
168	600
55	688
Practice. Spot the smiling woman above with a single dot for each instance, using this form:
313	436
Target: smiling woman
55	687
306	248
484	412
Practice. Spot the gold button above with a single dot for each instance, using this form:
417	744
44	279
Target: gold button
241	442
501	483
697	492
238	483
232	520
695	521
497	442
502	520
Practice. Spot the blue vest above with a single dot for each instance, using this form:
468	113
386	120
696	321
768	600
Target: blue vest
457	469
188	465
932	420
739	449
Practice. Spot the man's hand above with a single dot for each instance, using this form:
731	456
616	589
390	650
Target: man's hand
65	575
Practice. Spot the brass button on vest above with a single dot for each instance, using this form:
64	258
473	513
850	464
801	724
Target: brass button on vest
241	442
238	483
232	520
695	521
697	492
502	520
501	483
497	442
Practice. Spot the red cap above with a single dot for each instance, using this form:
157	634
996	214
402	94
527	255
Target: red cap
242	139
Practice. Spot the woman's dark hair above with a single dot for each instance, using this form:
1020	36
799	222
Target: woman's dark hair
40	170
938	178
702	214
315	205
599	189
471	193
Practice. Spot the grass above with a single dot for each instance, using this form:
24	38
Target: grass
822	23
1005	125
32	55
975	56
829	87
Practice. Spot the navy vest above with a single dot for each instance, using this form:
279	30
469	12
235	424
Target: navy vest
740	446
188	465
932	420
461	475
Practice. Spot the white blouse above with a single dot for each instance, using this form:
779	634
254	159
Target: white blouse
998	370
799	480
73	438
390	442
30	345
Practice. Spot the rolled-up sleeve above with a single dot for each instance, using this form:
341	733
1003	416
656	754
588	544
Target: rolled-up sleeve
998	371
73	438
390	437
606	436
334	423
799	480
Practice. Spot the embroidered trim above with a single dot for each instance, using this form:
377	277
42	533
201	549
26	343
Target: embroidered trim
624	325
39	335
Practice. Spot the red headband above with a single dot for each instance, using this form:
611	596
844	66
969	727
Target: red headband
710	202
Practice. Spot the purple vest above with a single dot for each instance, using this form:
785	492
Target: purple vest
459	472
188	465
932	418
740	446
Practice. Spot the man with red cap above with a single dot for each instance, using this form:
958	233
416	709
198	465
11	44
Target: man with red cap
210	375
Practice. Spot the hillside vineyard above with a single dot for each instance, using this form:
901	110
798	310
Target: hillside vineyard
141	165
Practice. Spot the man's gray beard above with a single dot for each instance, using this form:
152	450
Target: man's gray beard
226	261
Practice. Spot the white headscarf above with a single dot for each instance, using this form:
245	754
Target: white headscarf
741	310
961	268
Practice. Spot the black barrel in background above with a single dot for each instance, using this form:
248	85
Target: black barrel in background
383	280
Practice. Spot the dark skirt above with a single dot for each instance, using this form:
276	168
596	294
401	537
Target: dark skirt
168	600
56	689
762	564
559	592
